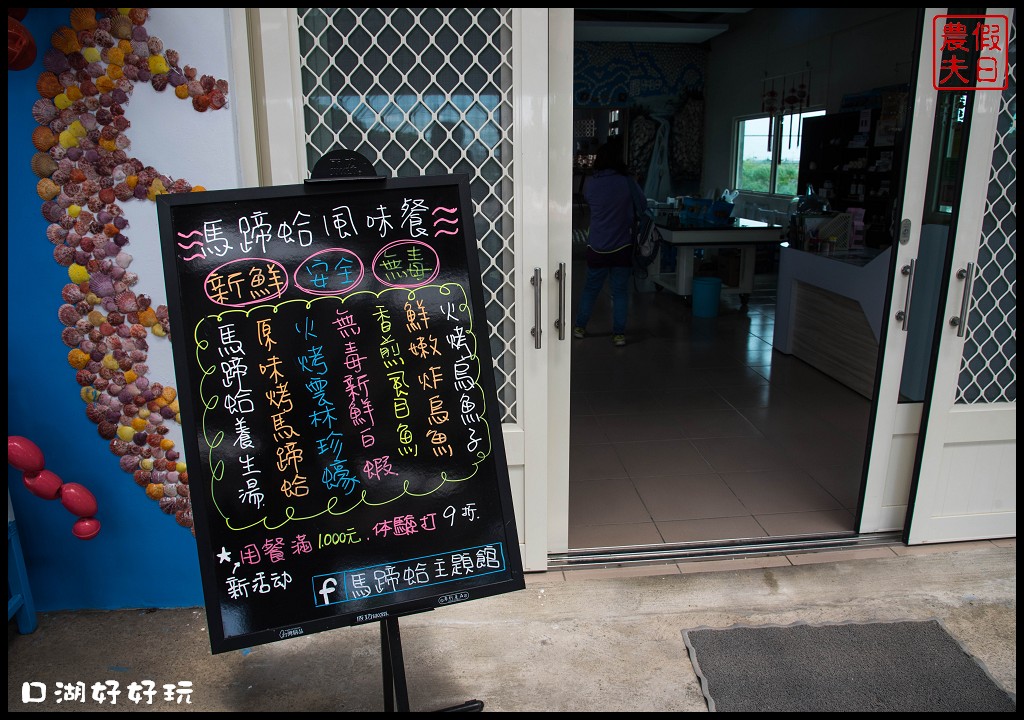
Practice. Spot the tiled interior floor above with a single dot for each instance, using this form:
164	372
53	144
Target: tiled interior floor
697	430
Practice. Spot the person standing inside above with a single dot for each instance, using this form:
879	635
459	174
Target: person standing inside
615	201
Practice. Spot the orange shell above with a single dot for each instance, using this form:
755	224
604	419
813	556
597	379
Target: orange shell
83	18
43	138
49	85
47	189
66	40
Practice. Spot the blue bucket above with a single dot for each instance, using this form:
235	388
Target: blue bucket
706	292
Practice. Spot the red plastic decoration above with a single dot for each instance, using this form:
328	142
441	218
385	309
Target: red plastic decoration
78	500
43	484
86	528
21	47
25	455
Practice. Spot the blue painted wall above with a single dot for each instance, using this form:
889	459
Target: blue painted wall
141	557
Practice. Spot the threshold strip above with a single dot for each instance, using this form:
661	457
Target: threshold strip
740	548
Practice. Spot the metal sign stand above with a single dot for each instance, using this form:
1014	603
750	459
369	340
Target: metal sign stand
345	164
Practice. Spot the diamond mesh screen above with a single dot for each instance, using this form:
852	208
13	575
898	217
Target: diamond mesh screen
988	369
425	91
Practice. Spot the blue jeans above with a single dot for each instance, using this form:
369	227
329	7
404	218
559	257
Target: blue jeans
620	296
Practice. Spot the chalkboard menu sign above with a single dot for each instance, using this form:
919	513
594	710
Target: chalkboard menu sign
338	402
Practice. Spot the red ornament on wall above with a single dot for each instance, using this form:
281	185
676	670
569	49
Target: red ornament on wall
21	47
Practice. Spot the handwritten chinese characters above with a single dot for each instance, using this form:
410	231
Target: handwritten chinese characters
338	404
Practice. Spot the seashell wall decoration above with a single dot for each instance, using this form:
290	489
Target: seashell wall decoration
85	175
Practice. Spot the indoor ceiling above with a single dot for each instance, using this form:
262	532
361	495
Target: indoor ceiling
667	25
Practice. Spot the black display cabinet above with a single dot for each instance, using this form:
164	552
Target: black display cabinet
852	160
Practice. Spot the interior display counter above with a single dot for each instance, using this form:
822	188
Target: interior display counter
829	312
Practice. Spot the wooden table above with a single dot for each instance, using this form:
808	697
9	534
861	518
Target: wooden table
741	234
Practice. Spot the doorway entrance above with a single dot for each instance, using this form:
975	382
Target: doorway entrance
698	433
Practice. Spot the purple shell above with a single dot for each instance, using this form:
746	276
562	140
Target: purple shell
55	61
43	110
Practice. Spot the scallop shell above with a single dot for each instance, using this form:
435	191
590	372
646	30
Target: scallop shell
47	189
43	165
44	138
83	18
121	27
55	61
49	85
43	111
66	40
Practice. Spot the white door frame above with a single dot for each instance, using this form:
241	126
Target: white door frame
894	433
965	486
266	52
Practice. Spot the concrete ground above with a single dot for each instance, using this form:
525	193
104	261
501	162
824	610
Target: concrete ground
575	640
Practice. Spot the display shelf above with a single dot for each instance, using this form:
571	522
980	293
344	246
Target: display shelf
842	163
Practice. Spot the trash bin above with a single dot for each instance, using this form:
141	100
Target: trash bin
706	291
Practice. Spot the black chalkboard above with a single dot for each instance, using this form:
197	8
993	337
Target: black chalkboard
338	403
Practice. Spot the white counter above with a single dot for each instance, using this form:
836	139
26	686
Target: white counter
829	313
742	234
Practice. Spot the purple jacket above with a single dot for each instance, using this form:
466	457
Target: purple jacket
614	201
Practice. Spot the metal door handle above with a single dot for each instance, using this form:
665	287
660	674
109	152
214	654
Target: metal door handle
960	321
904	315
537	315
560	320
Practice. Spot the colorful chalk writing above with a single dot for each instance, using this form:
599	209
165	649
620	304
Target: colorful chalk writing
338	405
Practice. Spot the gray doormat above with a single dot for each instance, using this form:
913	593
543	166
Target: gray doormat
849	667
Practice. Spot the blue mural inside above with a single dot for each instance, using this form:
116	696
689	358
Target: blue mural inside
628	73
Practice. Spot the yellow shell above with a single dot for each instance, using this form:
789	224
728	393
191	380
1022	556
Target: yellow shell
47	189
66	40
158	65
79	274
43	165
91	54
104	84
83	18
68	139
